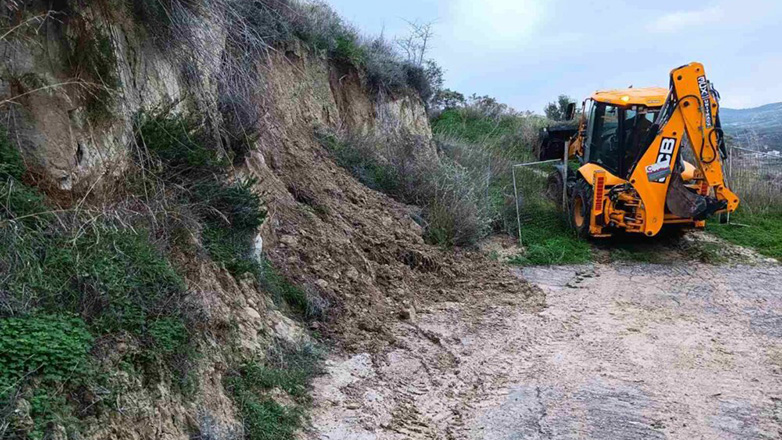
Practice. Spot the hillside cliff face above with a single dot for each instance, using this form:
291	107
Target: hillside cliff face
72	82
75	80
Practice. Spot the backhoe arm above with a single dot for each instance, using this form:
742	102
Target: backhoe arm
692	110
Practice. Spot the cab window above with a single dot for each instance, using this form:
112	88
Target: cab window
635	130
604	137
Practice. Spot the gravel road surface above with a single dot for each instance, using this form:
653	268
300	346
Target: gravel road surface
629	351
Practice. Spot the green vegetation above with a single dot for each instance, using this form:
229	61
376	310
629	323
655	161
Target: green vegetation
489	125
307	305
230	212
54	349
73	277
448	193
286	368
760	231
549	240
68	280
91	58
11	163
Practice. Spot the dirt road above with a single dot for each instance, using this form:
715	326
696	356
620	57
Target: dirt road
619	352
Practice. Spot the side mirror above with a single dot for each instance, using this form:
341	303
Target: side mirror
570	113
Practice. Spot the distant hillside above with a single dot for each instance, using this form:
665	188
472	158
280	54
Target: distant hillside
757	128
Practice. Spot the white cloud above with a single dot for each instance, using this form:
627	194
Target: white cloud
681	20
499	22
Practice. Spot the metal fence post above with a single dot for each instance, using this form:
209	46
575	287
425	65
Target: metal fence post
516	198
564	176
730	171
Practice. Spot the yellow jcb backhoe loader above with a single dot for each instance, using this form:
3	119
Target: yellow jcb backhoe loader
632	172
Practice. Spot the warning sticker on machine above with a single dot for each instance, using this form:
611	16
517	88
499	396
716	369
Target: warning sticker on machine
658	172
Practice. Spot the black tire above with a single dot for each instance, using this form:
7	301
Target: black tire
554	187
580	208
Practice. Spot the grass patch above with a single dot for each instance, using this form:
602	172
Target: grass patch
286	368
549	240
491	126
763	231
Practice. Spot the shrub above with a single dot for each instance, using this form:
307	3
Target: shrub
50	351
230	212
287	367
290	369
240	120
449	193
306	304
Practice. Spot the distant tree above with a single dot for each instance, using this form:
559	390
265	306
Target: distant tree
557	111
447	99
418	43
434	74
416	48
488	106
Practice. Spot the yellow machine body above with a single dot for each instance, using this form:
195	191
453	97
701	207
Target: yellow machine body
646	184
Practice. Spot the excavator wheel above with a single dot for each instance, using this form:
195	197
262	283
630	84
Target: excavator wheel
580	207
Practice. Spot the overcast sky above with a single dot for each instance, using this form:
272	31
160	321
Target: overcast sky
526	52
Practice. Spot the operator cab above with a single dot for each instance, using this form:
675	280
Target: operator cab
618	125
616	136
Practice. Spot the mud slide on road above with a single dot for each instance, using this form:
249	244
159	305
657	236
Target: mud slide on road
619	352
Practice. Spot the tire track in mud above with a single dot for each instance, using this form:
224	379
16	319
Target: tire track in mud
620	352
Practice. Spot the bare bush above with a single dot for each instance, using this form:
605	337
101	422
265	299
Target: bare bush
451	196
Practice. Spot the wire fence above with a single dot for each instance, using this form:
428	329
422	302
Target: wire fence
540	197
756	177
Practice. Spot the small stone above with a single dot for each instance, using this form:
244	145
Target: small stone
323	284
407	314
289	240
352	274
252	313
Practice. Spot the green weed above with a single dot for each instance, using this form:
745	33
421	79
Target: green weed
762	231
51	351
230	212
307	305
52	348
290	369
549	240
